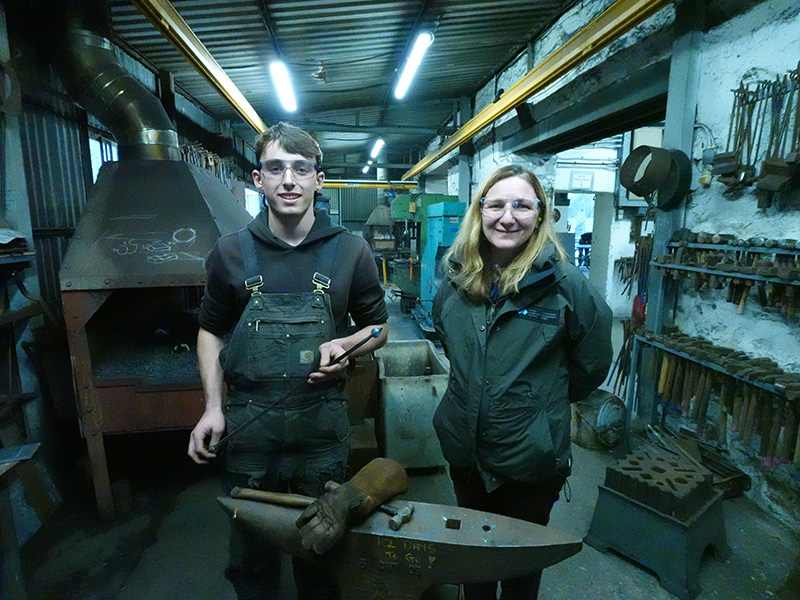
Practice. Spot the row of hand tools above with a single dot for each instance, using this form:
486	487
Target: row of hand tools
723	390
764	126
773	270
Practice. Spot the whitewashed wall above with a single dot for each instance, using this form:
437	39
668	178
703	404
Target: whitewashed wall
759	44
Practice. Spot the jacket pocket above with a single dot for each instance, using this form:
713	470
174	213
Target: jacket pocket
517	443
451	424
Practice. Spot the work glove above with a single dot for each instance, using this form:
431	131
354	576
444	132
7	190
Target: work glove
329	517
325	522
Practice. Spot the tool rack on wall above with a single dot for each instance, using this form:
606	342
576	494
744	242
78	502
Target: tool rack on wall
721	392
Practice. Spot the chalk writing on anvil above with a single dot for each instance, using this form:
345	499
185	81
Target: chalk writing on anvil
394	555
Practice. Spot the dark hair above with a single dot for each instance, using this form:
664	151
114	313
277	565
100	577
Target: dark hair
292	139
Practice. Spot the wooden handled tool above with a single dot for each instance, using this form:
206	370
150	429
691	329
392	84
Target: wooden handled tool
775	430
677	385
745	293
699	393
789	434
765	413
737	405
749	413
704	401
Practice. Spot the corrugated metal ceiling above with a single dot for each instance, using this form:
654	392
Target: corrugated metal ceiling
361	45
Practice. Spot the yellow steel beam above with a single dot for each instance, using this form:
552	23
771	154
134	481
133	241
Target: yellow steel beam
379	185
619	18
170	23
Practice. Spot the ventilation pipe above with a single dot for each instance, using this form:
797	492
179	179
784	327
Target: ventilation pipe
85	62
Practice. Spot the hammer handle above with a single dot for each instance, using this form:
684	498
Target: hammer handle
737	405
677	386
749	421
662	379
689	382
789	433
291	500
775	431
699	391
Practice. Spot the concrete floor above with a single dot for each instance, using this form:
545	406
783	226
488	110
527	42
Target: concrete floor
170	538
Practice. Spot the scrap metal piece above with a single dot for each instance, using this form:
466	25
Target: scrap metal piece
441	544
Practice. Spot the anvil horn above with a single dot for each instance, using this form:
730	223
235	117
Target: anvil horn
441	544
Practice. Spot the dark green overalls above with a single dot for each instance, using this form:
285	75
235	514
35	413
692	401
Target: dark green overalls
302	442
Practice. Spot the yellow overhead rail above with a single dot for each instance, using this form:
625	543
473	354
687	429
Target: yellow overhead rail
366	184
170	23
618	19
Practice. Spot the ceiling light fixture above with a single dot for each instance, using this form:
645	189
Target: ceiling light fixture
365	169
283	85
424	39
369	162
376	149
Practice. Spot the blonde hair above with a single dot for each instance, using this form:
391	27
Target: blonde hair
472	274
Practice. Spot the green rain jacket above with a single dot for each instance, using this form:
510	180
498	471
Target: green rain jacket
515	366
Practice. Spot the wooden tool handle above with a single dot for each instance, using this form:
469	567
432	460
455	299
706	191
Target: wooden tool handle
699	391
743	301
749	421
291	500
777	423
789	434
737	406
677	385
689	383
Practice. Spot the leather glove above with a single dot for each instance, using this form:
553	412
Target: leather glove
325	522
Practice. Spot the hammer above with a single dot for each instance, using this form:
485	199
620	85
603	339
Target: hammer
399	516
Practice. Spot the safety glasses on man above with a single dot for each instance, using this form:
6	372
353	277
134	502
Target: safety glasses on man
302	169
520	208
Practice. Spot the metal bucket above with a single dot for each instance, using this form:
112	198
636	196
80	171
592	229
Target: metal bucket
599	421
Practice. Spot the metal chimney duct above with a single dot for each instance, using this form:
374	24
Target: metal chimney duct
87	66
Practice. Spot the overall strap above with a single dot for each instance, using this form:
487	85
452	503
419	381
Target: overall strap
321	278
328	255
247	244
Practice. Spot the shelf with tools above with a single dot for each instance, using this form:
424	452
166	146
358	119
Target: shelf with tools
724	274
773	266
754	396
772	388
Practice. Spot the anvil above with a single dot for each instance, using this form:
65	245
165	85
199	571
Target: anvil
441	544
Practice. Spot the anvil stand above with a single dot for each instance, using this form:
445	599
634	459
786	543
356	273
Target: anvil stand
671	546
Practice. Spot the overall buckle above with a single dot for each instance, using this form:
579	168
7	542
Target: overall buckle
253	284
321	283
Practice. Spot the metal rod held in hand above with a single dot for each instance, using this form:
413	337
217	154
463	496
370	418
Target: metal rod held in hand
375	333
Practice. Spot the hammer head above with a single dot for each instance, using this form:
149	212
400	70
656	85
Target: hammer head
403	515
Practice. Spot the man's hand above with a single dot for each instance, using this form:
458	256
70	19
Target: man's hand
328	352
211	424
325	522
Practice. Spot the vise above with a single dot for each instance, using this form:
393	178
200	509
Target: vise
440	545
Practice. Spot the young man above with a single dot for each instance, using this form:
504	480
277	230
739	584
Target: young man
285	286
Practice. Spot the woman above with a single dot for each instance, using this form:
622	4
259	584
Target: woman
526	335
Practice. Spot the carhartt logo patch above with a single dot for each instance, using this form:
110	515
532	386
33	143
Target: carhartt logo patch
306	357
540	315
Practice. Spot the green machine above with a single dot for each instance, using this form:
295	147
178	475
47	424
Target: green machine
410	216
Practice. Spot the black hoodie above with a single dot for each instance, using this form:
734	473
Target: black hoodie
355	288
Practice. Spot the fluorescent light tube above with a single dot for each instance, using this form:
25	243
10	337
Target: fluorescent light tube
280	79
424	39
376	149
365	169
